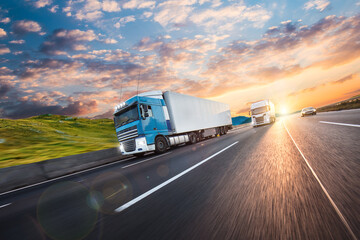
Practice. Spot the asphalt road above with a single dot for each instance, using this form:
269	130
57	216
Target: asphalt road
296	179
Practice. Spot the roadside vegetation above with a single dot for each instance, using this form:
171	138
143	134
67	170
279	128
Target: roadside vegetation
351	103
45	137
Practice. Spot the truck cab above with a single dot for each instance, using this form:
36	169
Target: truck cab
262	112
139	120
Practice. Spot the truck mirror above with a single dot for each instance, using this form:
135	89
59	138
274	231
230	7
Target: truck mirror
142	112
146	114
146	108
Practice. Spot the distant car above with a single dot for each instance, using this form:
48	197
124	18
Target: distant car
308	111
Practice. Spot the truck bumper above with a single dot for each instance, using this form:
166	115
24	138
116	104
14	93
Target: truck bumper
263	121
140	146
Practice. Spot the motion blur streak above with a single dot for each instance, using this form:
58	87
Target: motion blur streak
323	188
144	195
341	124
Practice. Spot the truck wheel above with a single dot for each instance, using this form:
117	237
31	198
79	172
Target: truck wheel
192	138
222	131
160	144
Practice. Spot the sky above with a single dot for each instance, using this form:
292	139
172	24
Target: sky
83	57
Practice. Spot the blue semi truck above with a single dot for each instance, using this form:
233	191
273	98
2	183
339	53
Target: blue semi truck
155	121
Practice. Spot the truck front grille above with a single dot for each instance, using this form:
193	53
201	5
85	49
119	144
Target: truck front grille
259	119
129	145
127	133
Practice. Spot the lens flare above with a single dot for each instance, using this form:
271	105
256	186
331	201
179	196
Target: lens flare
63	211
109	191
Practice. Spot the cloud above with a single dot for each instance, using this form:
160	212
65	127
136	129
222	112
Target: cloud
147	14
339	81
173	12
125	20
117	55
110	41
49	72
24	109
110	6
5	20
91	10
90	16
4	50
357	91
285	53
344	79
320	5
177	14
108	114
18	103
84	56
138	4
225	18
2	33
63	40
286	27
21	41
25	26
42	3
54	8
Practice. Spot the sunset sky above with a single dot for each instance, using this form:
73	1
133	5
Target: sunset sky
82	57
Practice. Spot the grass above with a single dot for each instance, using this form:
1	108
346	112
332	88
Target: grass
51	136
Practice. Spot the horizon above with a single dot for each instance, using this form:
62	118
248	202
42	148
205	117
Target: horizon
82	58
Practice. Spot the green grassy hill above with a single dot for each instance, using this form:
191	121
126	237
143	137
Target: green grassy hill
51	136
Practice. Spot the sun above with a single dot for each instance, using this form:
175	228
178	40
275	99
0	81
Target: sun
283	110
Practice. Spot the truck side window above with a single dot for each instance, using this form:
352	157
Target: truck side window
150	111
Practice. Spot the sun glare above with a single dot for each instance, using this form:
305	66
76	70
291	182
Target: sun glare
283	110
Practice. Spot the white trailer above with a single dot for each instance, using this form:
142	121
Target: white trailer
188	113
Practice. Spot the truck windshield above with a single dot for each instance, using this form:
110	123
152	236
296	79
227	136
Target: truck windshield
126	116
259	110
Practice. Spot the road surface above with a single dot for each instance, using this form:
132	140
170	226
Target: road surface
296	179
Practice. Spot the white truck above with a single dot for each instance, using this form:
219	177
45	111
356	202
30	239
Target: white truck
154	121
262	112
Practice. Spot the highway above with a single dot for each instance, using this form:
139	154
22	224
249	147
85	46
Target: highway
298	178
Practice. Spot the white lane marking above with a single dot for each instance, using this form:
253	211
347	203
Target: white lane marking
324	189
144	195
146	160
342	124
5	205
54	179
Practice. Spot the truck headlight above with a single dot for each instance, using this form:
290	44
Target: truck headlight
141	141
267	118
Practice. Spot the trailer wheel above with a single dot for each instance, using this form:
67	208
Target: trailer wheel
192	138
222	131
160	144
226	130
